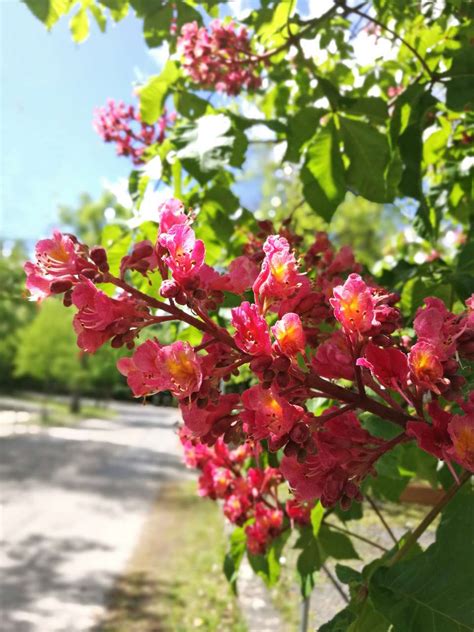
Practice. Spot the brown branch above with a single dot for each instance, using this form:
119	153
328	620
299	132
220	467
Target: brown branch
351	397
179	314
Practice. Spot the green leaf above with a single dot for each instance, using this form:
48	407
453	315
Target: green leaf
234	556
317	514
99	16
268	566
368	152
463	277
272	31
374	108
336	545
155	91
433	591
406	128
323	173
340	622
190	105
48	11
79	26
301	128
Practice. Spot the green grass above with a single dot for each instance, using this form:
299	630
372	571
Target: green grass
174	581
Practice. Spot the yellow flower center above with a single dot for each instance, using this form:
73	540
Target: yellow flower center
180	367
464	442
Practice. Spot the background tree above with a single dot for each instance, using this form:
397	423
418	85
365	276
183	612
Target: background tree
15	312
88	218
47	351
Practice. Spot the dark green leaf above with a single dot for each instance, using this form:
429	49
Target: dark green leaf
340	622
301	127
336	545
309	560
156	25
460	87
433	591
234	556
190	105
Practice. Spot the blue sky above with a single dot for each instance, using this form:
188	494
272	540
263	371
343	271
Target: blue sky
50	86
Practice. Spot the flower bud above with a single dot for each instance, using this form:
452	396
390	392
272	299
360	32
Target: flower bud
261	363
142	250
169	289
281	364
382	340
58	287
291	449
282	379
299	433
99	256
268	375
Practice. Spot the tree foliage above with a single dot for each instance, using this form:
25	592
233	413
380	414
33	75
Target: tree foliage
392	128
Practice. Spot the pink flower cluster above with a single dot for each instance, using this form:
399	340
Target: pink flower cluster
121	124
249	494
304	326
219	57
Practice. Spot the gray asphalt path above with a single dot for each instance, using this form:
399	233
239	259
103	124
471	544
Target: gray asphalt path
73	504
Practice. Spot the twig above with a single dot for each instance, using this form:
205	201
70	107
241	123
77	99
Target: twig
357	536
321	419
381	518
396	36
428	519
335	583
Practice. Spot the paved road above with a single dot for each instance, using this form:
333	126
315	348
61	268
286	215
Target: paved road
73	503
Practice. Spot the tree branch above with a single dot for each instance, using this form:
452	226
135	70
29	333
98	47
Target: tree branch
383	26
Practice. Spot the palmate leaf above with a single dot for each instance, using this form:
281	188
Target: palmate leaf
434	590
